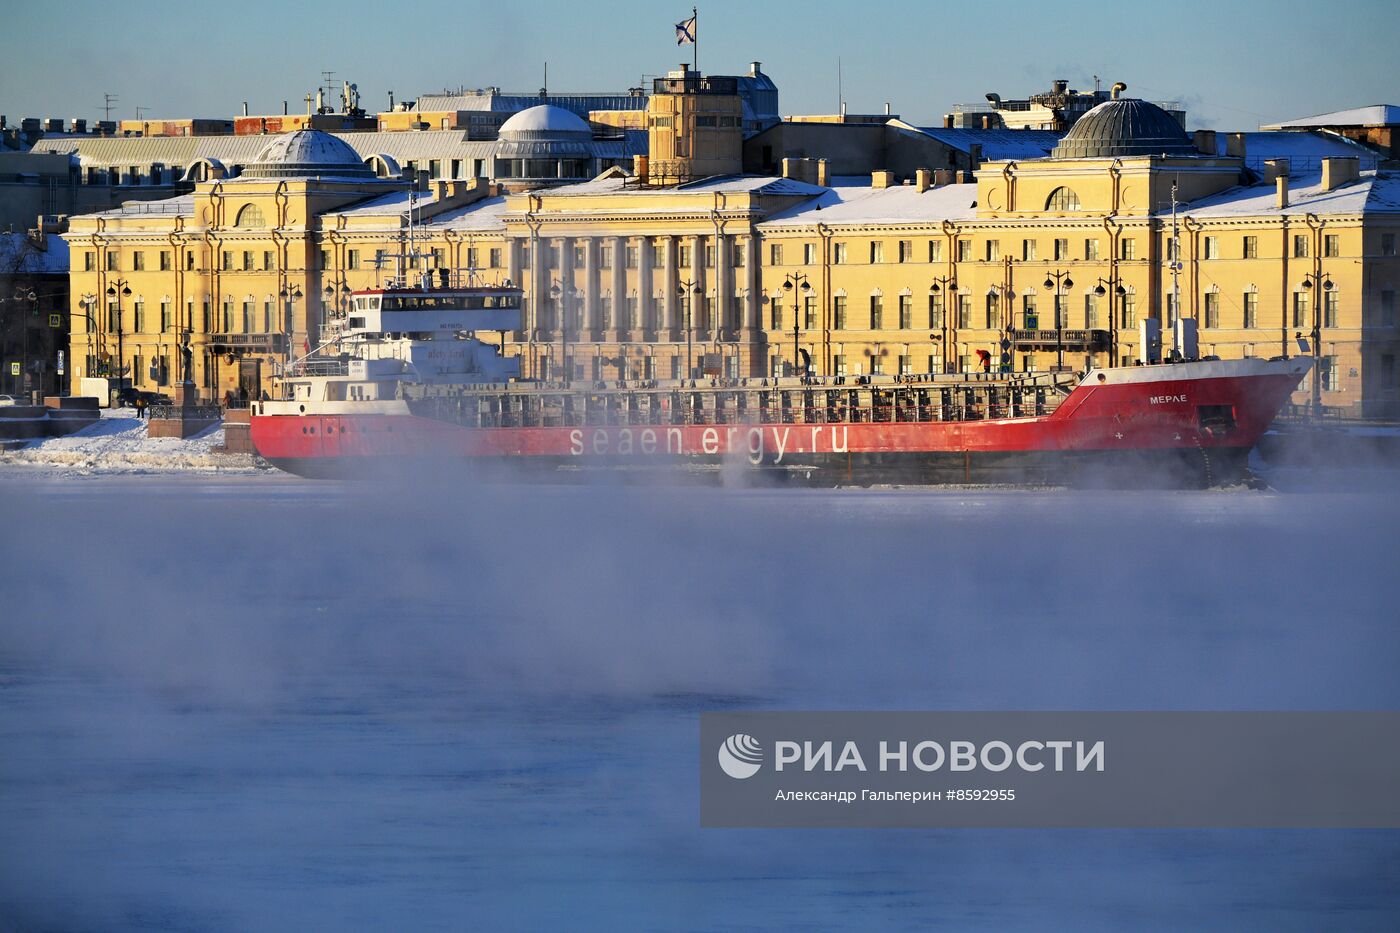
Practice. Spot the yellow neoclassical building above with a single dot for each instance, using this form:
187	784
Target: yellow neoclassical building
1023	264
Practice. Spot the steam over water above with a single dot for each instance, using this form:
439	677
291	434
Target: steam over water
269	704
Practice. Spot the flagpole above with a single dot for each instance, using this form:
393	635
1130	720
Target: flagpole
695	45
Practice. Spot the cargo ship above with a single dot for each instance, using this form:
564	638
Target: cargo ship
409	378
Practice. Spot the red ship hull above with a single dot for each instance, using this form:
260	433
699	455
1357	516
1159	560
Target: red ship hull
1191	424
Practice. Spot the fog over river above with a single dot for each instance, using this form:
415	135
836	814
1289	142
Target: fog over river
257	703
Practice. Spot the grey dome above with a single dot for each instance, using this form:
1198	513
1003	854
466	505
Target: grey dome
545	132
307	154
1124	127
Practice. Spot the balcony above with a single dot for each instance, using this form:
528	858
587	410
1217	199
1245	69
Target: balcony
1094	340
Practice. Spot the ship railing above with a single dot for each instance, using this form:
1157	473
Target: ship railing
932	413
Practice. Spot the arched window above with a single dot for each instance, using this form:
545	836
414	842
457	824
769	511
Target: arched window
1063	199
250	216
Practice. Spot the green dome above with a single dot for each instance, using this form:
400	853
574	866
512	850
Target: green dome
1124	127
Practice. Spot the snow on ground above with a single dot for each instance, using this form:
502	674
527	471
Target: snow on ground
117	443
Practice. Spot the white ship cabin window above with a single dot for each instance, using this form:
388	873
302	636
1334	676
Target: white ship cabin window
460	302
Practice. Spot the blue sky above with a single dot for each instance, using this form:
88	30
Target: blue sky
1234	64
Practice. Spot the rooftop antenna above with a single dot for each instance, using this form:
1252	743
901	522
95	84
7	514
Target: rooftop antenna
107	101
328	85
138	111
840	96
1096	84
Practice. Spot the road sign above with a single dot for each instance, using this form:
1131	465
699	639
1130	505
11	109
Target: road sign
55	320
14	369
60	362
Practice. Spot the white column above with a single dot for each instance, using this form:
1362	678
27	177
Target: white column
698	292
670	308
753	304
619	284
724	284
644	285
590	286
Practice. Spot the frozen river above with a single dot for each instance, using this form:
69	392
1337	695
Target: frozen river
256	703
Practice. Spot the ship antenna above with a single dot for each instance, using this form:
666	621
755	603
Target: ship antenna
1176	269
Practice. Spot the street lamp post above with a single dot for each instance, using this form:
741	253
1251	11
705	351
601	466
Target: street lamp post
119	289
1115	282
691	288
1060	282
561	295
290	296
941	284
796	284
1323	283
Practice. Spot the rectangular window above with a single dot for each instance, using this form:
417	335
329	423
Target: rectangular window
138	316
906	312
809	254
1211	246
112	260
1061	310
267	317
935	250
605	256
138	261
877	312
1301	318
228	315
1251	247
1128	312
580	256
906	250
1091	249
1331	307
935	311
839	312
993	310
993	251
89	262
227	261
247	317
1061	248
877	251
630	254
838	362
1212	309
165	315
1331	246
269	261
1028	250
1030	319
189	260
809	313
1091	311
1387	244
775	254
1300	246
1388	308
838	253
709	255
1127	248
906	364
683	257
247	260
964	310
494	257
776	314
352	259
964	250
1251	310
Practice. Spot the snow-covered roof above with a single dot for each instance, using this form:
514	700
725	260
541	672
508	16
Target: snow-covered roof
182	205
1304	150
900	204
479	216
1374	115
997	144
1373	192
545	118
724	184
19	256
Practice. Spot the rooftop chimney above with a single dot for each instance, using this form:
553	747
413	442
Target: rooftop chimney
823	173
923	179
1205	142
881	178
1281	191
1337	171
755	68
1274	169
1235	145
245	108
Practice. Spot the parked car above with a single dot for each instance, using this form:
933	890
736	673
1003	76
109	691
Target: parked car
129	395
8	400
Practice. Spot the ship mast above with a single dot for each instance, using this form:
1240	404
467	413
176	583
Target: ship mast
1176	270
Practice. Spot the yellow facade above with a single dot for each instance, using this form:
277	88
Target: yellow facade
657	282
